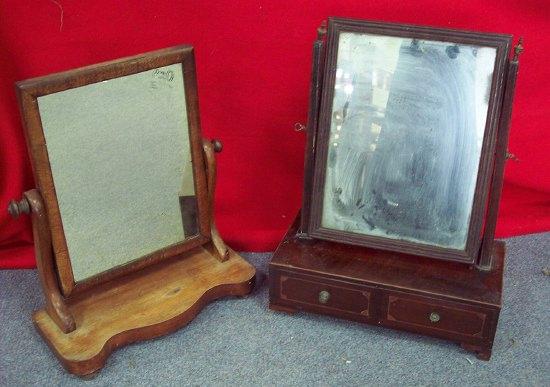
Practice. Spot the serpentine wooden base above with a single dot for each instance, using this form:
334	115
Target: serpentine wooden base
144	305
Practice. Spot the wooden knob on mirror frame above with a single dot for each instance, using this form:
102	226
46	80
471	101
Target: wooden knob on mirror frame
218	146
16	208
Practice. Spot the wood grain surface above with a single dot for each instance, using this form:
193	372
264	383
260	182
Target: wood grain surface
146	304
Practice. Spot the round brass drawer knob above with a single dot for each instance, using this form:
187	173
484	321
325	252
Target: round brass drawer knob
324	296
434	317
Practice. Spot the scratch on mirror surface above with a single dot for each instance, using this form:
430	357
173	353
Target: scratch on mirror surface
407	128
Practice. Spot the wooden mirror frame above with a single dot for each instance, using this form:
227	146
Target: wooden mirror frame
28	92
84	322
409	292
318	129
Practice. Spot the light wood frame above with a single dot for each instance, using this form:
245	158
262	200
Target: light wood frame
28	92
84	322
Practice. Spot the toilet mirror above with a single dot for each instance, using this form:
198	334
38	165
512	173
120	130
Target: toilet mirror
117	157
406	135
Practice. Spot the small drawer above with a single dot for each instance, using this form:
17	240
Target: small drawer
327	295
435	315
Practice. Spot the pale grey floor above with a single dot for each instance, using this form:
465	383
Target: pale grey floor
240	342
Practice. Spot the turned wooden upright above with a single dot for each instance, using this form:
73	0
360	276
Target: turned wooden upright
83	329
402	290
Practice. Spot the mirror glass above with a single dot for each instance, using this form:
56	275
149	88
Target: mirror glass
120	158
406	132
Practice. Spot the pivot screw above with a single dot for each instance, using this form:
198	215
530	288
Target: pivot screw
16	208
218	146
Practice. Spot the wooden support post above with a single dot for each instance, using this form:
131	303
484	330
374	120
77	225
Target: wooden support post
55	303
220	250
312	121
485	256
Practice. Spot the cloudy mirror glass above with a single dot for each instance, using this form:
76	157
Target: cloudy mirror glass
406	133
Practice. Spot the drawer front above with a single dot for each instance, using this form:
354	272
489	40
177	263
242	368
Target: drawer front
325	295
434	315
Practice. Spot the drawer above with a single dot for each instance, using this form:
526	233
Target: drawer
435	315
322	294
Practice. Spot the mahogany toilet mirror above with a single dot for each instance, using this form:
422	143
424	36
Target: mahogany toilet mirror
407	136
125	240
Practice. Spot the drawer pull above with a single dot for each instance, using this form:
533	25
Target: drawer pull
434	317
324	296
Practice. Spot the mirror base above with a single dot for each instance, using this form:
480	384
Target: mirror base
435	298
146	304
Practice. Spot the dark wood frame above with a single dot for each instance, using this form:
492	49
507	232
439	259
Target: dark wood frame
28	91
405	291
316	154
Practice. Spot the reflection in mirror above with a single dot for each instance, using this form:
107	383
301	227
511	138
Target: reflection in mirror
407	127
120	157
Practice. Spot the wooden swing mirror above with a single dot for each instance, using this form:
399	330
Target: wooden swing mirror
407	136
126	245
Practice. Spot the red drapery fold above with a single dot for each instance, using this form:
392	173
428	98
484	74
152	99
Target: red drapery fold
253	65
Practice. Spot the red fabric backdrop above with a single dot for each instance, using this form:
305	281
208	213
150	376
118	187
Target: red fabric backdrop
253	65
